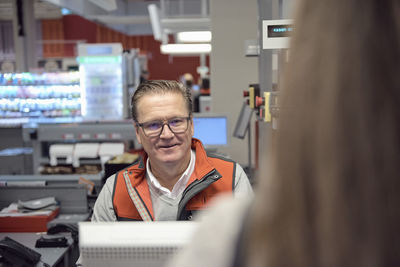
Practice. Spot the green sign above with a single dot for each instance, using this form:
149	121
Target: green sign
101	59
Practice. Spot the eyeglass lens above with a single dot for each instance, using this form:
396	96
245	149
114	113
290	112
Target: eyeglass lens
176	125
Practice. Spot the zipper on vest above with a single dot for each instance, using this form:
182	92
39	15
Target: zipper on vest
196	187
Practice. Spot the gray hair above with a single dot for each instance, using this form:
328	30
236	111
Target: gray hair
160	87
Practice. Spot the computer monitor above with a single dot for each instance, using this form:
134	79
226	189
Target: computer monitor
243	121
211	130
139	244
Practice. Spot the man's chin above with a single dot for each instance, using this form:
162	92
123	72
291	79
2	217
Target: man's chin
170	158
169	162
171	155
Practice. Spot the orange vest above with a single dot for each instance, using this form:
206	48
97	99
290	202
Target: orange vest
212	175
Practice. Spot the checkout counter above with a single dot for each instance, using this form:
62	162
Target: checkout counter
75	192
27	230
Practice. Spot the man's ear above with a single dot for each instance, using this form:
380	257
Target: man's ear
137	129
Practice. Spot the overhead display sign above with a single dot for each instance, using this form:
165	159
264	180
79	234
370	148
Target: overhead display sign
276	33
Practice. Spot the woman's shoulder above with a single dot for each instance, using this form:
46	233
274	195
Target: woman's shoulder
214	242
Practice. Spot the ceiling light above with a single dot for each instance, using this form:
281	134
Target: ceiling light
107	5
154	14
194	37
185	49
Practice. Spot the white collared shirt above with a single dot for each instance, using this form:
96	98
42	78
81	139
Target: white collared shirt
180	184
165	202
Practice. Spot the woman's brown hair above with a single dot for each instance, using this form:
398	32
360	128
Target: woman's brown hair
331	194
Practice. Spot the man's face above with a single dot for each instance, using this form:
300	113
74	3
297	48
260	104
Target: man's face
167	148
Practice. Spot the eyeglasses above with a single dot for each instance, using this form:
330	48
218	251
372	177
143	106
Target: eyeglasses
154	128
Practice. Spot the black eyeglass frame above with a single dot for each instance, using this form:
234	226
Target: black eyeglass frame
164	122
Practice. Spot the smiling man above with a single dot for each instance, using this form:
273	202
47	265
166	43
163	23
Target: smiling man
175	177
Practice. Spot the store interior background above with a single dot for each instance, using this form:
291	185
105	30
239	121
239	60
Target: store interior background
233	24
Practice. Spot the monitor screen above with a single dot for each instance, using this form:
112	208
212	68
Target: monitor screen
242	123
99	50
211	130
279	30
195	87
141	244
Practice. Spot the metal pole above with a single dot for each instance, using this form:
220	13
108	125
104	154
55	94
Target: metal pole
250	169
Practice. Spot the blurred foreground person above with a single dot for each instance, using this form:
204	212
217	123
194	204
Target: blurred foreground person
331	193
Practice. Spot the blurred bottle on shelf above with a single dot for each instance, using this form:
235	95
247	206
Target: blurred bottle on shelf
40	95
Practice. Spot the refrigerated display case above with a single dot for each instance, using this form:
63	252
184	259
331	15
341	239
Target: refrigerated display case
102	81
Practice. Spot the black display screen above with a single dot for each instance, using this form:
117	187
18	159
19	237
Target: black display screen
279	30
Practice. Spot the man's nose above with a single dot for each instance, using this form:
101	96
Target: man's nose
166	131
